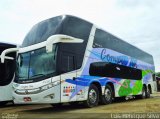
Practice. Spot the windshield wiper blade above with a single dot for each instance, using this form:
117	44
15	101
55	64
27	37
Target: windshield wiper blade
37	75
22	77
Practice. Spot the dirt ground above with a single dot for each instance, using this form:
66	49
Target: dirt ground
121	109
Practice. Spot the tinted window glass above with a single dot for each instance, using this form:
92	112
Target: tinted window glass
7	70
114	70
36	65
78	28
68	25
41	31
23	65
67	63
107	40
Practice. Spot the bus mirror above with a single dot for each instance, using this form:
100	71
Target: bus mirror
5	52
60	39
49	48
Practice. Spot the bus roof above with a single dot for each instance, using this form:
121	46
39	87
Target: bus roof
64	24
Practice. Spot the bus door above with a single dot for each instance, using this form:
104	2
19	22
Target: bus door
68	75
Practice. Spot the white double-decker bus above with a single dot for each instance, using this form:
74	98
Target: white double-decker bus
7	70
67	59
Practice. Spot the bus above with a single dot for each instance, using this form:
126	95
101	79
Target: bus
66	59
7	70
158	83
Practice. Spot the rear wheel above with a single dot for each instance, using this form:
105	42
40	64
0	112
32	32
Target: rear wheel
144	93
93	96
148	93
107	98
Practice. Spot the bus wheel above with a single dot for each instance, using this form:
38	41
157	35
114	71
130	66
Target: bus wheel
148	93
107	98
143	95
93	96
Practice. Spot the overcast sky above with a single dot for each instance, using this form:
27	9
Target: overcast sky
135	21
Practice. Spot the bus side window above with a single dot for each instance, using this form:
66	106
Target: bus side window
67	63
105	69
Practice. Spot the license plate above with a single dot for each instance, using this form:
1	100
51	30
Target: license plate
27	99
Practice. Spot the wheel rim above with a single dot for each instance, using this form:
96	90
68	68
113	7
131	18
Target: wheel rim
107	94
92	96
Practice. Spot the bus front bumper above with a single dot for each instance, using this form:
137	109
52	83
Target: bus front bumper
51	95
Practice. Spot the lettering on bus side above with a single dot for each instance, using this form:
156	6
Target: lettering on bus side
123	60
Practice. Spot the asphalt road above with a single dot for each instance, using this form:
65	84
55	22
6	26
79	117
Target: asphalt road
117	109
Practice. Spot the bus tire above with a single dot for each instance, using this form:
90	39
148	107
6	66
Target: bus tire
107	98
148	93
143	95
93	96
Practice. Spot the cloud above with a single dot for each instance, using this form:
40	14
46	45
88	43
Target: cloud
135	21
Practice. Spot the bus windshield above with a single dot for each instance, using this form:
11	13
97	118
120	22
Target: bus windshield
36	64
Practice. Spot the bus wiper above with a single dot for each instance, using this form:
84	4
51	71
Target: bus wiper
22	77
37	75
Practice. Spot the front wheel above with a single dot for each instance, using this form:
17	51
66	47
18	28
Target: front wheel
108	96
93	96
